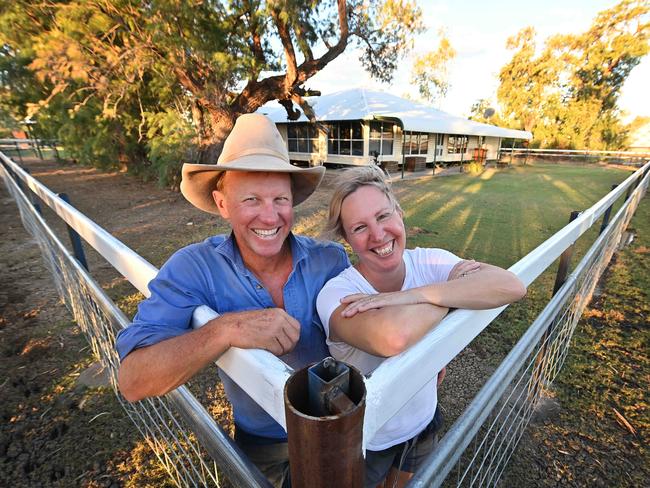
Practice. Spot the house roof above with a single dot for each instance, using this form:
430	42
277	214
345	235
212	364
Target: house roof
360	103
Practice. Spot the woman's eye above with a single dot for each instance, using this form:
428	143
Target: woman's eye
383	217
359	228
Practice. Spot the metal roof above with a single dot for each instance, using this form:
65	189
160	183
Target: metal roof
363	104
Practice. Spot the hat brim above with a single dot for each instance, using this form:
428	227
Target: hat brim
199	180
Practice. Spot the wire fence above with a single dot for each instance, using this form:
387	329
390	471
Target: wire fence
183	436
190	444
477	448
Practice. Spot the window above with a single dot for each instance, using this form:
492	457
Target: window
302	138
345	138
440	144
416	143
456	144
381	139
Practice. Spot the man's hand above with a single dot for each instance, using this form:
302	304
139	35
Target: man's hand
271	329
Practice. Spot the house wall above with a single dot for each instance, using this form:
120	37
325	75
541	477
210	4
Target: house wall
321	156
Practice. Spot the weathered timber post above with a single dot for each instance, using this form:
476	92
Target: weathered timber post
538	374
608	212
75	239
32	196
565	260
324	406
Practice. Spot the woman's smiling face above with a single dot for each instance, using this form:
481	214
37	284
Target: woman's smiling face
374	229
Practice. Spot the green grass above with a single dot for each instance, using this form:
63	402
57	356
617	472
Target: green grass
499	217
601	432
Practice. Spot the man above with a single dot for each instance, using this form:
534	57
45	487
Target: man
262	280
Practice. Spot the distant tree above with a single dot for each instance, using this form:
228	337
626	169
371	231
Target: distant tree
567	93
207	62
430	72
483	111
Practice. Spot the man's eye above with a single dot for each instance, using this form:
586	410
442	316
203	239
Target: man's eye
250	199
383	217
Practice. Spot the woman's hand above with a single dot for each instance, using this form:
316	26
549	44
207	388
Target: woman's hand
464	268
360	302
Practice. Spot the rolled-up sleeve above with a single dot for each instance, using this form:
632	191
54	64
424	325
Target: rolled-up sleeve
178	289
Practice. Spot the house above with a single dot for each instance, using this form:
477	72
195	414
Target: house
360	126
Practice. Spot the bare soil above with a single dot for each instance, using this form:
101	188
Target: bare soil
62	427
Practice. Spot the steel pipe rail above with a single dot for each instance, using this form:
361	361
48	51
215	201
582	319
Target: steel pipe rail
406	373
97	323
411	370
475	415
265	387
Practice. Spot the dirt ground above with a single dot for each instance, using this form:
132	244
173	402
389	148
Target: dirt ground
62	427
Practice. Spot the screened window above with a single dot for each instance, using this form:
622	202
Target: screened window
302	138
381	139
456	144
416	143
345	138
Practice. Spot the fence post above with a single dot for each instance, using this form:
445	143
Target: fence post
565	260
324	405
75	240
605	223
32	196
20	156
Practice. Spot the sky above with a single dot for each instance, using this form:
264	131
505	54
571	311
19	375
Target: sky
478	31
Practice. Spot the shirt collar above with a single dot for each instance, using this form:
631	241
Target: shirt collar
228	248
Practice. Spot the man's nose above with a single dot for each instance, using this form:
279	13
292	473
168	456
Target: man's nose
268	212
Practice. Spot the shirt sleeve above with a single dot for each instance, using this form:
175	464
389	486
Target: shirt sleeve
176	291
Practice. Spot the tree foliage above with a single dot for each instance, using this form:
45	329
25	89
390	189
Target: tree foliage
143	75
430	71
567	92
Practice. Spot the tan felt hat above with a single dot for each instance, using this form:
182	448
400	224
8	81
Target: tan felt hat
254	144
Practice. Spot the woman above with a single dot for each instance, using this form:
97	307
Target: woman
388	301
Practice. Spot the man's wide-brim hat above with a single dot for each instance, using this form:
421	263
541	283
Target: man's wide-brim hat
253	145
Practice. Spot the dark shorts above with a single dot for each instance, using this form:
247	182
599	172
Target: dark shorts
272	458
406	456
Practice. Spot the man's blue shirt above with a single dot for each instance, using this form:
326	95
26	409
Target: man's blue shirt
212	273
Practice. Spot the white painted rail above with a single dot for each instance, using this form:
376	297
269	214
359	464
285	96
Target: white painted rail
263	375
265	386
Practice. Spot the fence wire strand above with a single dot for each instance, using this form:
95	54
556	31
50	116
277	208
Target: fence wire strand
483	462
172	442
489	448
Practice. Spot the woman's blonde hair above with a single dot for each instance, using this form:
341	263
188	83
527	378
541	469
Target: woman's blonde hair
347	183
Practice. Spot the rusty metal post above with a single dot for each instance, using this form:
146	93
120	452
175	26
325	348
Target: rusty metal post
324	406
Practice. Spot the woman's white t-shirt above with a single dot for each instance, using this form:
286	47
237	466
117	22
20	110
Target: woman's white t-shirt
423	267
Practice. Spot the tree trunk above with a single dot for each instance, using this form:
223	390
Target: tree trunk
213	126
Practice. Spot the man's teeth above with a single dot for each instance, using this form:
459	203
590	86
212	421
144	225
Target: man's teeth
266	232
387	249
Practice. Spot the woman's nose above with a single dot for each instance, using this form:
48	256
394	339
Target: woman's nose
377	232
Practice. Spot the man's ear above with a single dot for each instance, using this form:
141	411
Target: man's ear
220	201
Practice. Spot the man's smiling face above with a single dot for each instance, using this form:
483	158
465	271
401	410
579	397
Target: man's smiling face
259	207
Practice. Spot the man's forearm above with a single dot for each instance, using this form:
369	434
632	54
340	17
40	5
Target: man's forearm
157	369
